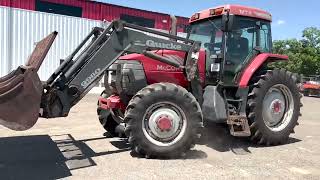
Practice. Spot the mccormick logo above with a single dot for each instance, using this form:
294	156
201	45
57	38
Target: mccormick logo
167	68
175	58
245	12
162	45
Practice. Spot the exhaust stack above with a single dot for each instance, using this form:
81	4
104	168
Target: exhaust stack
173	28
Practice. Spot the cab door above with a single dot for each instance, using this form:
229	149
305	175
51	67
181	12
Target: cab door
246	35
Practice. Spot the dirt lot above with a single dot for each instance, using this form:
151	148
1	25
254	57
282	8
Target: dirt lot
75	148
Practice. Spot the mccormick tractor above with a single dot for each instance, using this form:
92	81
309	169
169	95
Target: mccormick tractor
161	88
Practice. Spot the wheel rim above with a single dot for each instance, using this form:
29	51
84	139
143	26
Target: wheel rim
278	107
164	123
117	114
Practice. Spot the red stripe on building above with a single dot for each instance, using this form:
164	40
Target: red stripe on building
22	4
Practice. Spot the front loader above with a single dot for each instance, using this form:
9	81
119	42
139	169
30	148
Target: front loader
160	88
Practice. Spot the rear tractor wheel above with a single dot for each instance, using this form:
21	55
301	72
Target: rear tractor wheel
163	120
273	107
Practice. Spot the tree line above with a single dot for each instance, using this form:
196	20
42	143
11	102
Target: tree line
304	53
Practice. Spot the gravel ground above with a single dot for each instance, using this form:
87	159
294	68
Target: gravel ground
75	148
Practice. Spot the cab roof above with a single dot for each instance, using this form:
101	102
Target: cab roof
232	9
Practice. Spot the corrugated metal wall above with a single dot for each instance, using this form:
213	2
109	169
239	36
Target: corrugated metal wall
110	12
20	29
4	41
181	21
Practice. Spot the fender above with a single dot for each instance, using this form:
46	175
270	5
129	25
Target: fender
256	64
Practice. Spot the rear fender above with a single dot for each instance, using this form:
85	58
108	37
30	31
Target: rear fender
256	63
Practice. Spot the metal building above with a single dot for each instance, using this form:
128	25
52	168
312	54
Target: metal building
98	11
21	27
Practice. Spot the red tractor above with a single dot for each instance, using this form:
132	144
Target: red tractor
163	89
238	88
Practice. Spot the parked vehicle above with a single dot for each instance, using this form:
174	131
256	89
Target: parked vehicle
311	86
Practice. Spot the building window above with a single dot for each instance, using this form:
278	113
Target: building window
150	23
62	9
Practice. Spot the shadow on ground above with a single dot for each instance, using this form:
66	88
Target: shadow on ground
54	157
217	137
40	157
192	154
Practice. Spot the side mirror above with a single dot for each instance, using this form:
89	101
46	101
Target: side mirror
227	22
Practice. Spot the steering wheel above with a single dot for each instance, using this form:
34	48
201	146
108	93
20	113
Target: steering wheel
209	46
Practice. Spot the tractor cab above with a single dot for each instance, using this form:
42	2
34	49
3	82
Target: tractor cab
232	35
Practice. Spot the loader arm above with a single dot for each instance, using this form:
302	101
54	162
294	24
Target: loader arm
76	76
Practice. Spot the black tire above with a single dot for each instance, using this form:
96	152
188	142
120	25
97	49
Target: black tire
261	133
106	119
148	97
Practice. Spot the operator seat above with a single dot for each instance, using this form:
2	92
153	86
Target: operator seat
238	49
237	52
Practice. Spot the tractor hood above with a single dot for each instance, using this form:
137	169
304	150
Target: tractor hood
154	65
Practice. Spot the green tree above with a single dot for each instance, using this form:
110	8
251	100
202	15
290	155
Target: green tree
304	54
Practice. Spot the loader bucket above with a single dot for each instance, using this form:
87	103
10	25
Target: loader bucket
21	90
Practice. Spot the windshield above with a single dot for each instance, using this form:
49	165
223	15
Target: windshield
208	33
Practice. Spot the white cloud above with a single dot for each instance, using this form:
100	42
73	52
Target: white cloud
281	22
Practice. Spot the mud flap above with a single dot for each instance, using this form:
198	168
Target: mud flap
21	90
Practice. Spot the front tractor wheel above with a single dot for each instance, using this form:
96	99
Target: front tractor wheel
273	107
163	120
107	120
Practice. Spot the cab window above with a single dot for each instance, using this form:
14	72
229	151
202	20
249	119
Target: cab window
246	35
208	33
265	37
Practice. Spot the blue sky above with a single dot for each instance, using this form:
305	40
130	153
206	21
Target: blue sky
290	17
